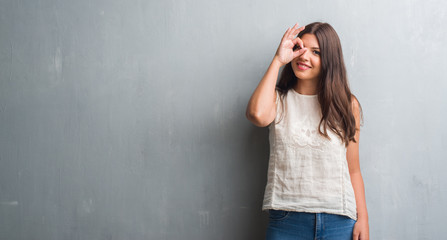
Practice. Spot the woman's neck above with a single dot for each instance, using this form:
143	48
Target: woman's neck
306	87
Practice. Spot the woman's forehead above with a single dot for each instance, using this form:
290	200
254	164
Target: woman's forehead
310	40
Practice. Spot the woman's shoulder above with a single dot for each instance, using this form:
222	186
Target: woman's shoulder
356	109
354	102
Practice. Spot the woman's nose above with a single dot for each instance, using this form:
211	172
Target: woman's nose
304	56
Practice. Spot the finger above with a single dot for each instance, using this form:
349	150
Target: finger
300	52
297	30
294	28
300	29
286	34
298	41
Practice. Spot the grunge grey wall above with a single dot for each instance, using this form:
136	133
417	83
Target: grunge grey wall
126	119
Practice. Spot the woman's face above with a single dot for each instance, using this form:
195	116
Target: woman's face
307	66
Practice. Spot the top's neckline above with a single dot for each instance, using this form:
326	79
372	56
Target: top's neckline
303	95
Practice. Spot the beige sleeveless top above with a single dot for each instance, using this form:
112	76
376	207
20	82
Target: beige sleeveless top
306	172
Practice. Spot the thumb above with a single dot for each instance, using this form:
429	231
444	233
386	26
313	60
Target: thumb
355	236
299	52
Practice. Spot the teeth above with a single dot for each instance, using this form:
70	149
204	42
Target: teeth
303	65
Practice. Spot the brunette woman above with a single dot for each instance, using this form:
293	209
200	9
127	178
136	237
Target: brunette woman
315	188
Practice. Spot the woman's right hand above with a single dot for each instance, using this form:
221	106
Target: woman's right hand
284	53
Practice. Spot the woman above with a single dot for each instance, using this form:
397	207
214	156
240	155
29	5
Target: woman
315	188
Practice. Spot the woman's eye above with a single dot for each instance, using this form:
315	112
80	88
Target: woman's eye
316	52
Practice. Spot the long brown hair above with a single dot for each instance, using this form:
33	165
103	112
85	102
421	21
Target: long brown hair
333	90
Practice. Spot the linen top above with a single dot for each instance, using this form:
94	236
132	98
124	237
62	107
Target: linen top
307	172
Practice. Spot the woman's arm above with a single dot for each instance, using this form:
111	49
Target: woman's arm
361	228
261	108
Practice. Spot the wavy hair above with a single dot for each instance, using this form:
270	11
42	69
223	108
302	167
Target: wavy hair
333	90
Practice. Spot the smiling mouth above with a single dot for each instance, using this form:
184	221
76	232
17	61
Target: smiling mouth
303	66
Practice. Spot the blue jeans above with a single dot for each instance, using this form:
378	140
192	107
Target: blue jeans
288	225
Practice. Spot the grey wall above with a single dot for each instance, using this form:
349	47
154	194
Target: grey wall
125	119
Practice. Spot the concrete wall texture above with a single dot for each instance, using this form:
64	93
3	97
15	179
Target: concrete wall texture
126	119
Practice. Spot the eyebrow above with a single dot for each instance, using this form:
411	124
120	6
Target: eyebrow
312	47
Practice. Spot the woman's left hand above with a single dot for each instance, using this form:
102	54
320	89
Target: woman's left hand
361	230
